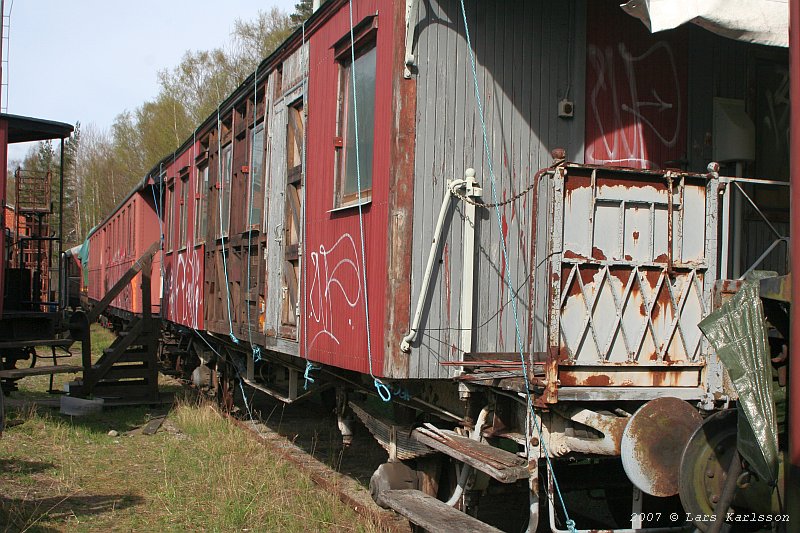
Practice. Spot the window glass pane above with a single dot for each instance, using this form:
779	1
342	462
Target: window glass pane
170	209
256	173
200	203
184	210
227	172
365	93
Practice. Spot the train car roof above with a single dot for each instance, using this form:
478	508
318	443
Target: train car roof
26	129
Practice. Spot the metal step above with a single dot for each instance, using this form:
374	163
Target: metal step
432	514
503	466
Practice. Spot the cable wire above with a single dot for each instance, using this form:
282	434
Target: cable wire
380	386
488	153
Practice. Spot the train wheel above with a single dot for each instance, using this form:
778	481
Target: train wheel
704	464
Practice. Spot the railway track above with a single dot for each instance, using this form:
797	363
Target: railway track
307	436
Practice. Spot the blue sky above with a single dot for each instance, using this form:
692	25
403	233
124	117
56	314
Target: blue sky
89	60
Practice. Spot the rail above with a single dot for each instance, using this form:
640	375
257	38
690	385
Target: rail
763	234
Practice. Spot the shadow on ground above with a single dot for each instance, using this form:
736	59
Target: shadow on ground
23	514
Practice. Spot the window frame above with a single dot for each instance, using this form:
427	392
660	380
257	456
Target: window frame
256	203
170	216
183	210
201	203
225	182
364	41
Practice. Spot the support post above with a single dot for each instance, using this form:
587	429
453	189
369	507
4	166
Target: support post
468	276
793	416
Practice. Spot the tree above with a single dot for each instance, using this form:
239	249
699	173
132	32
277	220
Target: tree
302	10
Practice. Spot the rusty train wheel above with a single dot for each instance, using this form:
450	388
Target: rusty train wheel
704	464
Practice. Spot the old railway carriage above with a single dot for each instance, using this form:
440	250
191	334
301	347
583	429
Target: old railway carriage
533	312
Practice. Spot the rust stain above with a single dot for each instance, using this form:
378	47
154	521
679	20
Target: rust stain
502	279
569	254
597	253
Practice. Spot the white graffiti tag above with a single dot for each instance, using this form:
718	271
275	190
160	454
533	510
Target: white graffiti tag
335	272
186	291
622	115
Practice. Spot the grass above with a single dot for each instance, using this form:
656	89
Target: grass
198	473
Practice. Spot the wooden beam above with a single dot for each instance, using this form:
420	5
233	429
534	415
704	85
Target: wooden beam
144	260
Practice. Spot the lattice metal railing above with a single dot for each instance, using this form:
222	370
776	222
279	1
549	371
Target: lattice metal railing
640	319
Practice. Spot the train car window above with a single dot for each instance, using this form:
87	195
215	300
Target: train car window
201	199
170	209
345	142
256	175
131	229
295	129
227	173
183	210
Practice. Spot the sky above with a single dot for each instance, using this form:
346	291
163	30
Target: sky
89	60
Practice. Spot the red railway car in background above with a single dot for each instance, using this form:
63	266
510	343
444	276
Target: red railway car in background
326	221
116	243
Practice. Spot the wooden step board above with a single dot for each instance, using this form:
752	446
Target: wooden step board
58	343
432	514
17	373
503	466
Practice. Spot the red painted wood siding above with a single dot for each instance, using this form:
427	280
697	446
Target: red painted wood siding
333	296
636	97
113	250
183	267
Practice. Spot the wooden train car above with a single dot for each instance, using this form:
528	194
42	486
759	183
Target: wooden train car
385	206
117	243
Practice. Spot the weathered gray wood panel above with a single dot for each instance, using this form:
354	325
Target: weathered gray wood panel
525	65
286	88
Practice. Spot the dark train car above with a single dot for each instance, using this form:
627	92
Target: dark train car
386	204
72	274
119	241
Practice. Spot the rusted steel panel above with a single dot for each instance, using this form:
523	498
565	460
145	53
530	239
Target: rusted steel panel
524	62
335	311
631	276
635	90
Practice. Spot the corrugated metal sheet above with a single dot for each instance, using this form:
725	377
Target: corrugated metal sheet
526	64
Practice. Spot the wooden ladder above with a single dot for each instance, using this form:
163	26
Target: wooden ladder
127	372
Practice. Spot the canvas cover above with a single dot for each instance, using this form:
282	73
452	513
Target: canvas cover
737	330
754	21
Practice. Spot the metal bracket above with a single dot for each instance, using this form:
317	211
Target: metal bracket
411	11
454	188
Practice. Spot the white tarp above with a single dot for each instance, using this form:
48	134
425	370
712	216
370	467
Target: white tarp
753	21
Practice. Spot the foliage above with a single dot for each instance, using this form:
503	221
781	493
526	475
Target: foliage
302	10
102	166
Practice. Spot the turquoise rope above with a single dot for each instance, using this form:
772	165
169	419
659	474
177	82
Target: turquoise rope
383	390
256	349
569	522
222	233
